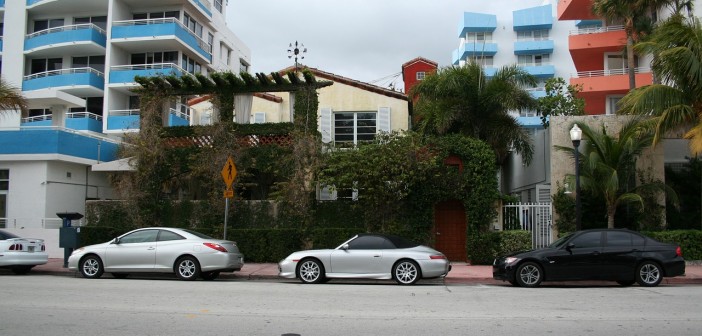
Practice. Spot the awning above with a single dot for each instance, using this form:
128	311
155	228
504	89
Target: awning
113	166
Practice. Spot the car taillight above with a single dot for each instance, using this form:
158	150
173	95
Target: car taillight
16	247
437	256
43	247
678	251
217	247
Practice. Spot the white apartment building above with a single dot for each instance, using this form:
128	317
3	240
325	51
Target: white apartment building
75	61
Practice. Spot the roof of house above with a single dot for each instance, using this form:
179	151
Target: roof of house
419	59
262	95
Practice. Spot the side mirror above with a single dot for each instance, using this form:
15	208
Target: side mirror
115	241
345	247
569	247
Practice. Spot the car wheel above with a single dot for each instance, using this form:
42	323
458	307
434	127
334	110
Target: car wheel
187	268
406	272
310	271
649	274
120	275
21	270
529	274
626	283
209	275
91	267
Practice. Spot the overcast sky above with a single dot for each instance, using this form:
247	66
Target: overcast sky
364	40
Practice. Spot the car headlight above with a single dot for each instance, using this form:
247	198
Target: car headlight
511	260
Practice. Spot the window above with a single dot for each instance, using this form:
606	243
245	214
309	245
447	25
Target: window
533	60
92	105
210	41
155	57
194	26
243	66
218	5
485	61
134	102
588	239
100	21
368	243
613	105
352	127
156	15
188	64
168	236
4	187
478	36
421	75
40	25
4	180
45	64
618	239
95	62
40	112
259	118
143	236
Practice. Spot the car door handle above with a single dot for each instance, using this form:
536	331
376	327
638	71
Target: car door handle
376	256
595	253
151	248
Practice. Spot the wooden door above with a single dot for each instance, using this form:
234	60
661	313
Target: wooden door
450	229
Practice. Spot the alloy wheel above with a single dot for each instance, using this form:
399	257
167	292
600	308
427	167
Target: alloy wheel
310	271
406	273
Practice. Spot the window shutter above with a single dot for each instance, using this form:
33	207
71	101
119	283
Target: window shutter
325	124
384	119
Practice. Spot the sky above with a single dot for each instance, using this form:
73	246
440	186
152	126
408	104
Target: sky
365	40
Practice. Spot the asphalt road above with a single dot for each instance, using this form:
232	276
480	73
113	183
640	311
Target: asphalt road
50	305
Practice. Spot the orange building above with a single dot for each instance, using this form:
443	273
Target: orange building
597	50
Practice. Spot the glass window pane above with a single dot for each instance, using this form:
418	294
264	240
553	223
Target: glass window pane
37	66
618	239
54	64
81	20
55	23
168	235
170	57
343	138
173	14
80	62
156	15
4	185
144	236
4	174
140	16
138	59
40	25
588	239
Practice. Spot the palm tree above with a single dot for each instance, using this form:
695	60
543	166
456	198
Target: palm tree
462	99
11	98
636	16
676	103
608	165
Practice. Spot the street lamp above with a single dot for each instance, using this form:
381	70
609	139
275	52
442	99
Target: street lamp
295	51
575	135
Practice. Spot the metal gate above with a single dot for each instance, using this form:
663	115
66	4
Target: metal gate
533	217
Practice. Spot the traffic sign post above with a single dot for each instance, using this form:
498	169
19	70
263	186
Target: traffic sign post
228	174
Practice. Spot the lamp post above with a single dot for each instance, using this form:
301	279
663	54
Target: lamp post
575	135
295	51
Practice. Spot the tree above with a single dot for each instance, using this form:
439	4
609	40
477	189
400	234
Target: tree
11	98
676	103
561	99
608	166
464	100
636	17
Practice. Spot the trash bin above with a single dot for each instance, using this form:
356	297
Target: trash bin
69	236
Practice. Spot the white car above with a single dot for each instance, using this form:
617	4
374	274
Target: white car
186	253
367	256
21	254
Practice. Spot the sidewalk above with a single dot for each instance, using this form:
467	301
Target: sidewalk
461	273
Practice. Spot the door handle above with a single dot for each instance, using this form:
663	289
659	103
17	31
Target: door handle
151	248
376	256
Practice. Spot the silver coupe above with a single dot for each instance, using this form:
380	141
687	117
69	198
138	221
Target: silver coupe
186	253
21	254
367	256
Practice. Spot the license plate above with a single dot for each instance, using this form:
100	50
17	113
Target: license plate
30	248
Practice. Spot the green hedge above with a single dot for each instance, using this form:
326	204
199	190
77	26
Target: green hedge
484	247
690	241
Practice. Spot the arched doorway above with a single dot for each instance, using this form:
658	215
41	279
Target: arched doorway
450	229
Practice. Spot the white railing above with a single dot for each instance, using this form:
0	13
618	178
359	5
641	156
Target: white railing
43	223
177	111
596	30
201	43
533	39
124	112
37	118
147	67
534	64
66	28
84	115
533	217
205	3
63	72
610	72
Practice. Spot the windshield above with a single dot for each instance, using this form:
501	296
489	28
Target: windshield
558	243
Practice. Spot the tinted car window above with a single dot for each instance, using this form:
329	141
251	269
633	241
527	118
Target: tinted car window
168	235
6	235
637	240
367	243
198	234
618	239
588	239
144	236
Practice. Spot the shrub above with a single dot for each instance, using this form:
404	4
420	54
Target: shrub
484	247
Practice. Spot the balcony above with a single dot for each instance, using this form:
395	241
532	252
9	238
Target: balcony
539	70
56	140
124	74
82	82
81	121
574	10
471	49
588	45
477	22
123	120
533	18
1	45
159	34
533	47
537	92
79	39
599	84
178	118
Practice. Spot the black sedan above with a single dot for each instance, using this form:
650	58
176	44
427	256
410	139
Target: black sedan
603	254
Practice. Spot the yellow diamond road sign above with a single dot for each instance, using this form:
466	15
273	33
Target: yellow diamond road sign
229	172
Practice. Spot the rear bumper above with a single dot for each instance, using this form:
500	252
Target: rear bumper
434	268
676	267
8	259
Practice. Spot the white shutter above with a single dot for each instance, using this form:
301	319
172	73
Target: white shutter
543	193
384	119
325	124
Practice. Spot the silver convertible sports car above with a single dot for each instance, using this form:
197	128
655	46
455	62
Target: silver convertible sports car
186	253
367	256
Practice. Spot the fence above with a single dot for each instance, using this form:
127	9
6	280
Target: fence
533	217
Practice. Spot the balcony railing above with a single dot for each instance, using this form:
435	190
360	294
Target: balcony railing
67	28
152	66
64	72
610	72
526	64
178	113
200	42
37	118
84	115
124	113
596	30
